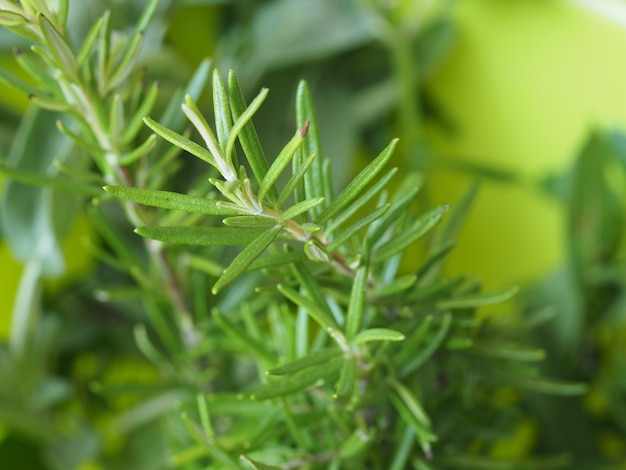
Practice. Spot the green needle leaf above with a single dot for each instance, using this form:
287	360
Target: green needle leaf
477	300
347	379
169	200
357	185
247	135
427	351
61	184
299	381
301	207
243	120
356	307
314	181
295	179
246	257
127	63
60	49
239	335
412	413
147	14
411	234
200	236
393	215
88	44
181	142
411	402
310	360
135	122
281	162
249	221
395	287
221	110
345	235
318	314
361	201
378	334
10	18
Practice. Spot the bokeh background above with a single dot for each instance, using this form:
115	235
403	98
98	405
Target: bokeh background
526	97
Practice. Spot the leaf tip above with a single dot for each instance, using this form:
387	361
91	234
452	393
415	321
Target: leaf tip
305	128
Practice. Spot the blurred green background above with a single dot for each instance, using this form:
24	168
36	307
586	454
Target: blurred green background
526	96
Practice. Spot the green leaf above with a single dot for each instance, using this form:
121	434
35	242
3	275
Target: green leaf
51	104
246	257
345	234
256	465
314	181
90	40
419	358
311	286
139	151
347	379
393	215
60	49
40	71
356	307
310	360
378	334
221	110
298	381
357	443
10	18
135	122
146	15
316	252
301	207
411	234
243	119
223	163
395	287
281	162
413	414
181	142
88	145
428	269
169	200
39	179
218	454
411	402
455	221
127	63
317	313
357	185
298	173
247	135
362	200
249	221
477	300
239	335
200	236
16	83
544	385
510	352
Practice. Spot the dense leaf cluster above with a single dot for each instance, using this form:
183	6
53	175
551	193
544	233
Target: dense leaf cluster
276	318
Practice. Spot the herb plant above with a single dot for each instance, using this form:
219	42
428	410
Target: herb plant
272	312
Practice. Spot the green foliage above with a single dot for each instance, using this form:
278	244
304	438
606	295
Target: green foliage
265	309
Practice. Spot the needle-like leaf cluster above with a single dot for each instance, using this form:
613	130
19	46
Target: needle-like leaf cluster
288	324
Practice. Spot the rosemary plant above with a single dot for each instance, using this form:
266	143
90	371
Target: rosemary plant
285	331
